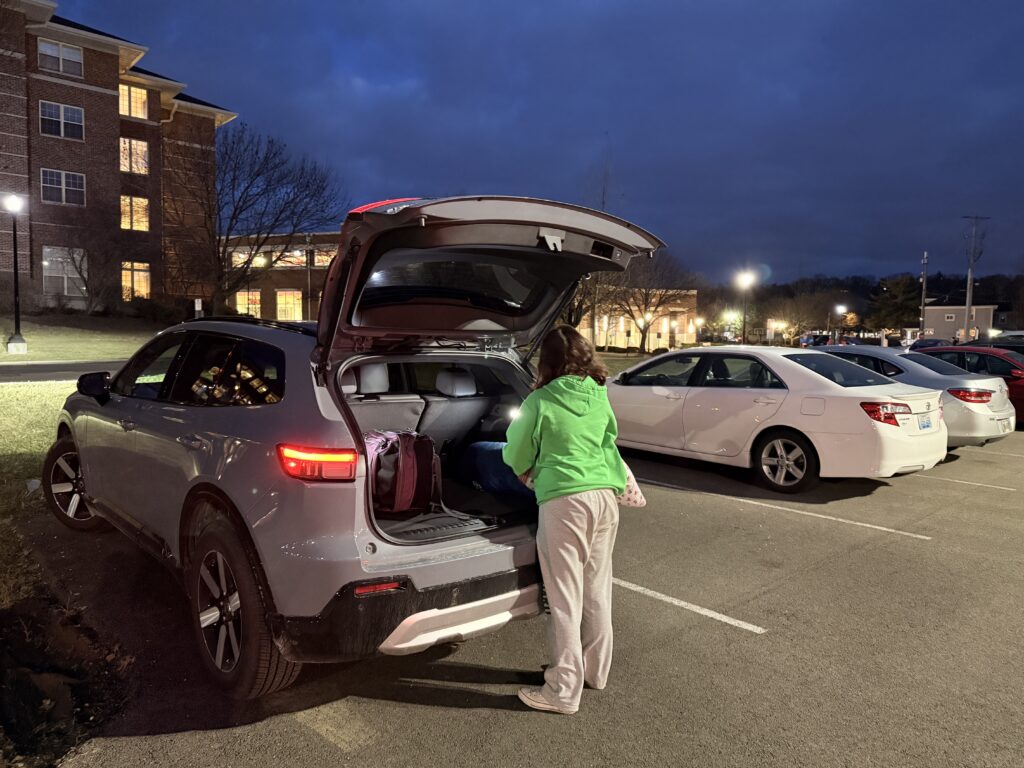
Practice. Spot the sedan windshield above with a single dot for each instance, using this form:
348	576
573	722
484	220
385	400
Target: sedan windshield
935	365
841	372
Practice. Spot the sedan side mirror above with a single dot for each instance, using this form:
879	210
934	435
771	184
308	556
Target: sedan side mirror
622	378
96	385
1017	373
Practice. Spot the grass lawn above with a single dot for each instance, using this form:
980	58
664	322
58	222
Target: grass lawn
28	423
77	337
617	361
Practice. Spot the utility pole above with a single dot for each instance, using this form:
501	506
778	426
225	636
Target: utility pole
924	293
973	254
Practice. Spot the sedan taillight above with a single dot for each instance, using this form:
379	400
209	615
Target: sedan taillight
972	395
886	412
318	463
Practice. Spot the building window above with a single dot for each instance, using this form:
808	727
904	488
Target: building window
133	101
289	304
134	156
950	318
322	258
248	302
63	187
134	280
61	120
64	271
135	213
292	259
59	57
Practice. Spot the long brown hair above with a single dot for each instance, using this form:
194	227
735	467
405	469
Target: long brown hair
565	352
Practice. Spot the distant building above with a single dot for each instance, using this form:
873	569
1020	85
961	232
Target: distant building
284	285
947	322
87	139
671	327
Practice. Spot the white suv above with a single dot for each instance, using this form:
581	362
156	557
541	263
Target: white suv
232	448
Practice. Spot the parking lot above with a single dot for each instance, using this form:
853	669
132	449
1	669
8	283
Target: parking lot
867	623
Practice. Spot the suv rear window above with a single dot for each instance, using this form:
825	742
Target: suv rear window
841	372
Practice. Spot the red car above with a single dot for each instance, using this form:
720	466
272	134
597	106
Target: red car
989	360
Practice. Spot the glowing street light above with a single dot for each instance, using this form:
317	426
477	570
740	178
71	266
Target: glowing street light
14	204
745	281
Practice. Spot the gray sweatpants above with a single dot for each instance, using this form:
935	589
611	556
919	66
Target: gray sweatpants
575	537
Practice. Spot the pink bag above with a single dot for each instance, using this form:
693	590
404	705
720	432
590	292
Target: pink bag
632	496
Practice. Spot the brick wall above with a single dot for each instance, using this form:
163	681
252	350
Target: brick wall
13	134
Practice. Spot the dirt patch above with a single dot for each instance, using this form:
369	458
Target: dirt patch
58	680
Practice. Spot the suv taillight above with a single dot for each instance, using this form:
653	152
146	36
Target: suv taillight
972	395
886	412
318	463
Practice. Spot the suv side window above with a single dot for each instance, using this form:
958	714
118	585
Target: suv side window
738	373
147	375
255	374
200	379
673	371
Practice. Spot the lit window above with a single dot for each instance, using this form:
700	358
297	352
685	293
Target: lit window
64	271
133	101
135	213
134	280
61	120
134	156
322	258
292	259
289	304
58	57
62	187
248	302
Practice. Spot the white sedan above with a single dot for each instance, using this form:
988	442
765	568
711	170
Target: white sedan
794	415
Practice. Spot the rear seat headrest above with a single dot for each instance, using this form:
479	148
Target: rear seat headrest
373	379
456	382
348	382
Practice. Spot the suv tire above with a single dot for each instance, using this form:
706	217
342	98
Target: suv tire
229	616
798	469
64	488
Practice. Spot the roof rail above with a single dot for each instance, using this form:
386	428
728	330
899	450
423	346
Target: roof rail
305	330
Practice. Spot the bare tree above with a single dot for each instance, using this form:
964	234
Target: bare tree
225	220
646	288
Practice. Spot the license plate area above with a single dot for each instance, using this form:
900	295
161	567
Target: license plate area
924	422
1004	426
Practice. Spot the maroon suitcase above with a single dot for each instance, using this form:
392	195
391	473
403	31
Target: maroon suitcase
403	471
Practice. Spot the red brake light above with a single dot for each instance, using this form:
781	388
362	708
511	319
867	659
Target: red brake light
972	395
318	463
381	204
886	412
372	589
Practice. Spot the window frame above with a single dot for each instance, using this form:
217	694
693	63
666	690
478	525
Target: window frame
65	276
277	304
628	381
131	213
239	343
707	360
60	57
949	318
145	101
133	271
116	385
62	120
131	157
63	187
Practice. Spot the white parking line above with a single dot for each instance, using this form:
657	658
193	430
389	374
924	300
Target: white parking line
691	607
966	482
995	453
789	509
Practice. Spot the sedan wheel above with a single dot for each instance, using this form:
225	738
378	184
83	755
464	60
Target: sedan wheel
64	487
786	463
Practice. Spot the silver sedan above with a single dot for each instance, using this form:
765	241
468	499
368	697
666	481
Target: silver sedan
977	408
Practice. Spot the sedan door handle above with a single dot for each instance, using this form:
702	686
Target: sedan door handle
192	442
126	424
765	401
674	396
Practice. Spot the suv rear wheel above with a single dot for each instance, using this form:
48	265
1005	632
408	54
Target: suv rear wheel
229	617
64	487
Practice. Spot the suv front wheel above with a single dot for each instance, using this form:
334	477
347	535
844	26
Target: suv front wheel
64	487
229	618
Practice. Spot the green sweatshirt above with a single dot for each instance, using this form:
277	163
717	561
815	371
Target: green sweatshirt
565	434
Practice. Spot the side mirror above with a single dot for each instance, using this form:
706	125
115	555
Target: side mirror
1017	373
95	385
622	378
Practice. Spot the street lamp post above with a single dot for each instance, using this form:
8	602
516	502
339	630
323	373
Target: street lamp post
745	281
840	313
16	345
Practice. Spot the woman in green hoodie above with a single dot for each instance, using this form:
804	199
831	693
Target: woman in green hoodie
564	440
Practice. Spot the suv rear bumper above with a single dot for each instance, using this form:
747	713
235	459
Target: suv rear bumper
407	620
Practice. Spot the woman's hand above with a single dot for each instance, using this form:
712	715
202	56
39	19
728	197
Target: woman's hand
525	477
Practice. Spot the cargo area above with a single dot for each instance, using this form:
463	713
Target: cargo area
459	402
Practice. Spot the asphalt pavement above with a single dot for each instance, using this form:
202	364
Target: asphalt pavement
867	623
54	371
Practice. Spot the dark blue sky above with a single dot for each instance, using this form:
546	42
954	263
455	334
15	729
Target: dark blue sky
831	136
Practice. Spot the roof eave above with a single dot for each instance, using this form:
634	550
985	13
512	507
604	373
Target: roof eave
220	116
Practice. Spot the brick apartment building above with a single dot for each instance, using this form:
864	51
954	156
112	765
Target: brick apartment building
88	139
284	285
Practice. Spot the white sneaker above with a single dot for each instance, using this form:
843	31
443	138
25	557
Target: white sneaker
534	699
